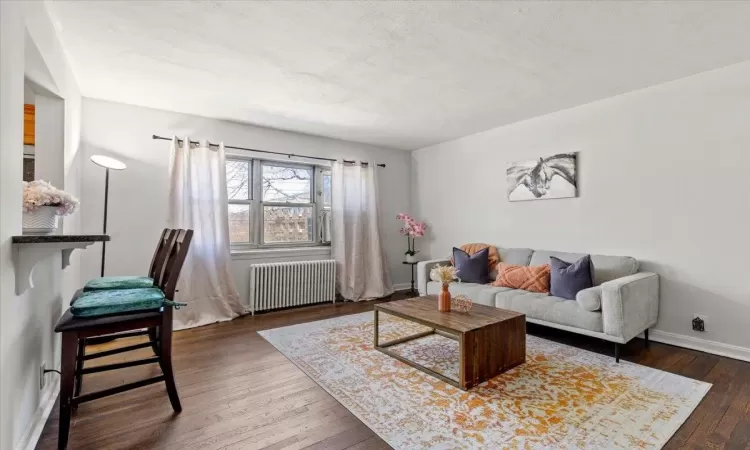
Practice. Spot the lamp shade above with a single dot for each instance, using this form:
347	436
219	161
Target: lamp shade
107	162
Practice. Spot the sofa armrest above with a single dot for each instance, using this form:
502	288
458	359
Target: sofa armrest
423	272
630	305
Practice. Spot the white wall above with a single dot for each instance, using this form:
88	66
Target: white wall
663	177
48	68
49	150
11	152
139	195
26	321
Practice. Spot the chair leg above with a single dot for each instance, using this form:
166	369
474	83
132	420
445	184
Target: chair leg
165	358
67	381
153	335
645	335
79	366
617	352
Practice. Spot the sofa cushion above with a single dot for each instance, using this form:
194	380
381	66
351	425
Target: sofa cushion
606	268
472	268
590	299
518	256
567	279
493	257
550	309
121	282
529	278
117	301
478	293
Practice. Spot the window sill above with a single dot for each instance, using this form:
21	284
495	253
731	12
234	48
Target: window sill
285	252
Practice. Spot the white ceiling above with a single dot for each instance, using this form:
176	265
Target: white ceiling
396	74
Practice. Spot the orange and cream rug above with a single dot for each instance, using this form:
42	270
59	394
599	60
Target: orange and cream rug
562	397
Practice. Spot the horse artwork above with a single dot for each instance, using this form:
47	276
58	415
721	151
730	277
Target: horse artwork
543	178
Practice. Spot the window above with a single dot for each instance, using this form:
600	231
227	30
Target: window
239	193
288	209
325	211
326	192
276	204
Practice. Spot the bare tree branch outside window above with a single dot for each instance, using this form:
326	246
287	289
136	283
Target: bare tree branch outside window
286	184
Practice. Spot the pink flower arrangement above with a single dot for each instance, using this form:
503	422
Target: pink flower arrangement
411	229
40	193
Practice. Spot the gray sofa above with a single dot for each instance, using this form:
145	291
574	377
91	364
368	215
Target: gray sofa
622	304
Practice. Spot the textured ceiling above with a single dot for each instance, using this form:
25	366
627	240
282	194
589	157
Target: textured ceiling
397	74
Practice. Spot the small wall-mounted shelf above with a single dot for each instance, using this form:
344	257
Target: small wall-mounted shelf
29	250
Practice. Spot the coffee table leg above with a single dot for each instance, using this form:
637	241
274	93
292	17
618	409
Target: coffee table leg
375	340
461	363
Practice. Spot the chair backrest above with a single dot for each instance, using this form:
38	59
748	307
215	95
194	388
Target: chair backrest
159	262
178	250
160	254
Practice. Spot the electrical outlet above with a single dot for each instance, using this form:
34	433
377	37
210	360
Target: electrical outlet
42	375
699	322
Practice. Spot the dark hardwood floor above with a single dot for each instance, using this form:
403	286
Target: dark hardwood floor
239	392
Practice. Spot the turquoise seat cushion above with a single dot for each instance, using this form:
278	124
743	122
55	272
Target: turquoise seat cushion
130	282
117	301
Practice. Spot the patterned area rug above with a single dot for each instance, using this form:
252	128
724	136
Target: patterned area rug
562	397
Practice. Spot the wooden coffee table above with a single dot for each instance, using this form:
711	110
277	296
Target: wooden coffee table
490	340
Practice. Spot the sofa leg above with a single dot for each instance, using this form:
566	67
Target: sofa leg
617	352
645	335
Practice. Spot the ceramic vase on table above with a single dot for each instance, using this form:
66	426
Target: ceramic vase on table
41	221
444	299
411	258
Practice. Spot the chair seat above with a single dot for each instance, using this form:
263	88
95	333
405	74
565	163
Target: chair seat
69	322
117	301
125	282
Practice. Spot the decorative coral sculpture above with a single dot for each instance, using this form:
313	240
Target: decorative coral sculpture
461	303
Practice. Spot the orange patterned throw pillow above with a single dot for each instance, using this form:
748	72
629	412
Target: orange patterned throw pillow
470	249
528	278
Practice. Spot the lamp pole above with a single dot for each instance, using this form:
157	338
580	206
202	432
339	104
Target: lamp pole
107	163
106	203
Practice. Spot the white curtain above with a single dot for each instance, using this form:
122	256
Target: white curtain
198	201
325	227
361	269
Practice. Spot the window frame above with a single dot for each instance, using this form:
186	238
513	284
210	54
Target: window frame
311	204
249	202
321	172
257	238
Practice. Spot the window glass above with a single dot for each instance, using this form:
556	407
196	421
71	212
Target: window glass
238	179
326	189
239	223
282	184
287	224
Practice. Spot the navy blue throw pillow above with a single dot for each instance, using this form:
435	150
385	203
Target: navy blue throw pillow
566	279
474	268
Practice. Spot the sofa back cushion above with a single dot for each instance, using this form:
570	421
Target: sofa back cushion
606	268
516	256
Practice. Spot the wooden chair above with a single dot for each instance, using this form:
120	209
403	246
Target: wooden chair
156	273
74	329
155	270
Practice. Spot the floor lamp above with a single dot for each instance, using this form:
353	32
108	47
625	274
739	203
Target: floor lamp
108	163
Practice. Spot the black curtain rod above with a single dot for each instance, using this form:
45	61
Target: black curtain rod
288	155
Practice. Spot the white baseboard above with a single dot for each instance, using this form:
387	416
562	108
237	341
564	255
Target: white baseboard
703	345
36	425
